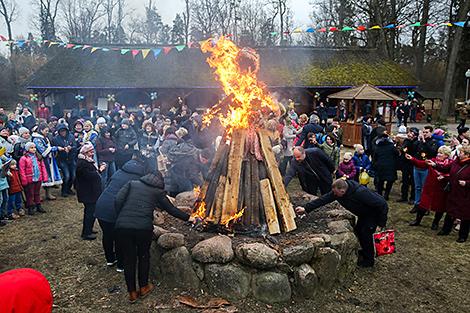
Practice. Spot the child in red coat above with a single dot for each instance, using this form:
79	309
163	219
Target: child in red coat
33	173
15	200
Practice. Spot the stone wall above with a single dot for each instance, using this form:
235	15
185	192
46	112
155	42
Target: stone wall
270	272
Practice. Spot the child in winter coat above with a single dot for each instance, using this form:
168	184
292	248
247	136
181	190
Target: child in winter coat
346	168
3	189
33	173
361	160
15	201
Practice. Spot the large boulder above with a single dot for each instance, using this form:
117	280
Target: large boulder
326	264
257	255
306	281
158	231
227	280
302	253
217	249
158	218
347	245
171	240
185	199
271	287
177	269
341	226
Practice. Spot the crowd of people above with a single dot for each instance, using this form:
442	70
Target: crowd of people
122	164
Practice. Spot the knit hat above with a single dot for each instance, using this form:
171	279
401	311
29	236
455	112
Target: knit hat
101	120
86	148
415	131
23	130
28	145
439	132
125	121
181	132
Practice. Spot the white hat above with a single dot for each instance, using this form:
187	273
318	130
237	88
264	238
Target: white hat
101	120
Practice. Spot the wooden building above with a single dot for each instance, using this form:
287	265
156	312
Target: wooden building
298	73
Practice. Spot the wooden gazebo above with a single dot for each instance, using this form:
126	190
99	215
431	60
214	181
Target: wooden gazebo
356	99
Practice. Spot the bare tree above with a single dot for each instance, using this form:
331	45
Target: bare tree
82	18
279	10
8	12
204	14
187	20
48	10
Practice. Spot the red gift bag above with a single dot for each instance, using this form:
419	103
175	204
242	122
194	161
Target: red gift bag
384	242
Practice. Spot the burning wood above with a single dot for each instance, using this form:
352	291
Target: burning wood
244	185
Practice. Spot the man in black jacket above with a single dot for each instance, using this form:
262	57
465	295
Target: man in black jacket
314	169
370	208
66	157
407	179
311	127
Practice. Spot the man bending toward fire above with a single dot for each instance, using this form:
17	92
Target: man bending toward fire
370	208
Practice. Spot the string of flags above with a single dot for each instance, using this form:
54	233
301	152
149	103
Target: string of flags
156	52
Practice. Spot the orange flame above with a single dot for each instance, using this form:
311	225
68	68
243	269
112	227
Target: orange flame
248	94
197	191
234	217
200	211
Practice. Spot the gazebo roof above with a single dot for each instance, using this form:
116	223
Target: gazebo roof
365	92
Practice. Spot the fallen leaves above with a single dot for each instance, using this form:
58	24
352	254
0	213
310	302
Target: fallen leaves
213	305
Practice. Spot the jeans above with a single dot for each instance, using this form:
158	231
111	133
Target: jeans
68	175
3	202
135	246
419	178
108	173
88	219
110	246
32	193
15	201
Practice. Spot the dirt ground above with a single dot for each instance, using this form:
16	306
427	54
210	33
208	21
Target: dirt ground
427	274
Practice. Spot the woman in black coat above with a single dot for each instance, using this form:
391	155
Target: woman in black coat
105	212
134	206
384	162
88	187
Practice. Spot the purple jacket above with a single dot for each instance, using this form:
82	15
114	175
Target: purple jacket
346	169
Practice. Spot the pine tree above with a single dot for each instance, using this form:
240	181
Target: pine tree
177	31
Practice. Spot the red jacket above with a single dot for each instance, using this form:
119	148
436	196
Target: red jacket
458	201
433	196
43	113
14	182
25	290
26	170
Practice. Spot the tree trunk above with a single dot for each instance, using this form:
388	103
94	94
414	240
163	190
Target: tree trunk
452	64
422	41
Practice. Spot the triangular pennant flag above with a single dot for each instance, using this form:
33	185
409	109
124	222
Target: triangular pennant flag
167	50
135	53
347	28
77	47
69	45
94	49
417	24
86	47
190	44
310	30
400	26
105	49
20	43
273	33
62	44
180	47
145	52
53	43
429	25
124	51
375	27
390	26
333	29
446	24
322	30
361	28
3	38
156	52
228	35
297	30
460	24
287	32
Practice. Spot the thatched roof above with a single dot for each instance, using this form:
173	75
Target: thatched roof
365	92
280	67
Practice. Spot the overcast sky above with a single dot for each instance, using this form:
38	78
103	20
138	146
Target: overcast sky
167	8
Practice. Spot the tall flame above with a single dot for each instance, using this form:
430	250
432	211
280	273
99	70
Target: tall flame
248	95
234	217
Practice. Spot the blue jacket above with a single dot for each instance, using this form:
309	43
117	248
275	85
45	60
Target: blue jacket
308	128
361	161
105	211
439	140
3	178
68	140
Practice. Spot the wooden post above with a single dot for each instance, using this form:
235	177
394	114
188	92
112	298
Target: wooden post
232	185
254	191
269	207
286	211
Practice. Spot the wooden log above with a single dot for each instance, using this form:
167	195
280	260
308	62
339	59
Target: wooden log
217	157
216	210
283	204
232	184
241	195
255	192
269	207
246	218
214	179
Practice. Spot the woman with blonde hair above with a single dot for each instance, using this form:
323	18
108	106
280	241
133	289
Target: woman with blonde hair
433	197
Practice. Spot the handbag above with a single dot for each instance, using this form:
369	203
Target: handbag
364	178
448	186
384	242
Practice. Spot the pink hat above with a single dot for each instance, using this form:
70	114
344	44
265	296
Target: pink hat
439	132
87	147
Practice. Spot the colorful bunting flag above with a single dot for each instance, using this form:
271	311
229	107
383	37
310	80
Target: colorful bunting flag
105	49
156	52
86	47
361	28
94	49
400	26
180	47
347	28
273	33
376	27
322	30
69	46
460	24
297	30
446	24
135	53
167	50
390	26
310	30
53	43
77	47
145	52
334	29
125	51
417	24
3	38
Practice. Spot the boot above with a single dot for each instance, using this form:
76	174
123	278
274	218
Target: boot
133	296
434	226
30	210
414	209
40	209
146	290
49	195
419	217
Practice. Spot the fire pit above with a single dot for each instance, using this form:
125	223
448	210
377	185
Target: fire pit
266	254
